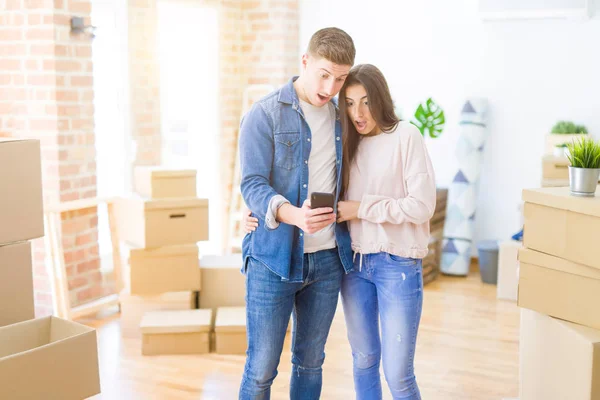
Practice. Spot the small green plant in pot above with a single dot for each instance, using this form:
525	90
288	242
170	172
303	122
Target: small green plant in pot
584	171
561	150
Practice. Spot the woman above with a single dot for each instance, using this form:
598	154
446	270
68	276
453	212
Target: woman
389	196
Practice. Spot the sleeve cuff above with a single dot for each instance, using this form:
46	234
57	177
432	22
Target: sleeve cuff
271	216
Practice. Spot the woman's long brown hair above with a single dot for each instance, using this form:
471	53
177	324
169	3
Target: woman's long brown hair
381	107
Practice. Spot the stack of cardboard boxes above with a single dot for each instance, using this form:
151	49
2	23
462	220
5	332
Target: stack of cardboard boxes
223	291
559	290
163	222
44	358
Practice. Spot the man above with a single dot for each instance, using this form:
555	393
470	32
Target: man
291	146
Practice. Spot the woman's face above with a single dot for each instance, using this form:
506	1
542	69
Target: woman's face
357	107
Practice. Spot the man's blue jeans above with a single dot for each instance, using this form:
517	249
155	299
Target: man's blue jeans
269	304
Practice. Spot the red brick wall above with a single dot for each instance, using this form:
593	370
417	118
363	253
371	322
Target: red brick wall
46	92
144	81
260	46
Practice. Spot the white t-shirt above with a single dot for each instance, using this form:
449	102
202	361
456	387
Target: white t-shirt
322	172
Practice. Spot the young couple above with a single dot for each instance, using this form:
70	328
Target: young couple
294	142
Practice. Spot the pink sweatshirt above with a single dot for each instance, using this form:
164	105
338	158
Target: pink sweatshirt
392	176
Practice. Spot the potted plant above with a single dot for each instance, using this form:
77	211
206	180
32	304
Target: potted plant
568	127
584	156
561	150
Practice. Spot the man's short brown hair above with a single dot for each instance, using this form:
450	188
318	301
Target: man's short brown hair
333	44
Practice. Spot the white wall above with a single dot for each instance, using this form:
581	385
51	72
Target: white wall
533	73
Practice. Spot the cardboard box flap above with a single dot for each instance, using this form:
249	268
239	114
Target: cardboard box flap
167	251
8	139
533	257
170	297
177	321
172	204
37	333
227	261
560	197
231	319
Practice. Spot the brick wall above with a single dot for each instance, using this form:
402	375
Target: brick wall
144	81
46	92
266	52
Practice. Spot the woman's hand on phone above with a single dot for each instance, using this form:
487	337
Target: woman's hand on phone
250	223
347	210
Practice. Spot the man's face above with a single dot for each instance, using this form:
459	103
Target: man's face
322	79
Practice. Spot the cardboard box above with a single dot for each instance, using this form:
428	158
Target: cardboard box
562	225
21	206
176	332
508	265
555	167
230	330
157	223
16	283
552	140
223	285
559	288
163	183
559	360
555	183
48	358
133	308
164	269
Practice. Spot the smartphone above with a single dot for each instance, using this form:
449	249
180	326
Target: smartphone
320	199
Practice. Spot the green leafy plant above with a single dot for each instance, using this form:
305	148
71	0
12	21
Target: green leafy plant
565	127
430	119
562	145
585	153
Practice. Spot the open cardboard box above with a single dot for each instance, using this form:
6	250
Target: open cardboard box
48	358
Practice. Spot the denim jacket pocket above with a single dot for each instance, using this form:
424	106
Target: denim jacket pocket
287	150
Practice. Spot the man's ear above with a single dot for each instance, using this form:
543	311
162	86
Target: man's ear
305	58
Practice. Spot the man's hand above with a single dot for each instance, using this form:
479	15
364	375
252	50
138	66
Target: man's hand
249	223
305	218
347	210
